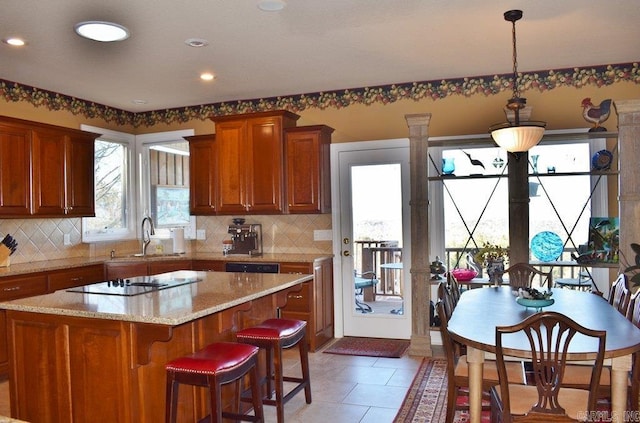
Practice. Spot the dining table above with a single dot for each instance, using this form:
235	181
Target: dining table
479	311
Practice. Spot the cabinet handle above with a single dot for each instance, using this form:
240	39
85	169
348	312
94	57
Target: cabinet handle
295	297
13	288
77	279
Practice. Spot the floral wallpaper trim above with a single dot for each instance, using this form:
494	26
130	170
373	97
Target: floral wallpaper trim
383	94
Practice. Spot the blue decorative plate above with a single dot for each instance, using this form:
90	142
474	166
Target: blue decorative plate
602	160
537	304
546	246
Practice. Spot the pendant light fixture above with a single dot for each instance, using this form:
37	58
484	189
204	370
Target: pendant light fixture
516	136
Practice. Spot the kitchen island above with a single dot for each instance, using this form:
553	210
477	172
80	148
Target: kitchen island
99	357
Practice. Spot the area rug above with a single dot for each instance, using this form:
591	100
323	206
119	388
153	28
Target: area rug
426	399
371	347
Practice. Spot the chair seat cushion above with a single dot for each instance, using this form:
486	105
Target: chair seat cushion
214	358
523	397
364	282
515	370
273	329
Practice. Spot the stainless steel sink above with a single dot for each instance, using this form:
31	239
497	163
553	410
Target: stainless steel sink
156	255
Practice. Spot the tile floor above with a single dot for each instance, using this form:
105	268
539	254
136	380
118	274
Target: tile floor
344	389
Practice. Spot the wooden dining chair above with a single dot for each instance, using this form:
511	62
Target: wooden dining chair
521	275
458	370
633	314
549	335
620	294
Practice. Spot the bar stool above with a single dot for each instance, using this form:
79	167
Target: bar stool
275	335
213	366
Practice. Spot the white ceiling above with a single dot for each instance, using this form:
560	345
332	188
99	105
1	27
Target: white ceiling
310	46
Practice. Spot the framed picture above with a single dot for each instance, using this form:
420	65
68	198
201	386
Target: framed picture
604	239
170	205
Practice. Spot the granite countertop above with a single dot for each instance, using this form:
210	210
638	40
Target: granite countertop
61	264
216	291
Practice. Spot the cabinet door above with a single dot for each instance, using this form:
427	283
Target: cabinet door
307	169
79	166
15	170
203	175
265	168
69	278
233	163
125	270
48	172
4	350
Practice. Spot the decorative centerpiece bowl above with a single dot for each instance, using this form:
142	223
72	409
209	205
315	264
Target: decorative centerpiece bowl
464	275
532	298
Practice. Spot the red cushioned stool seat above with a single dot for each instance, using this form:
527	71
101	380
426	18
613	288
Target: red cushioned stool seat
275	335
213	366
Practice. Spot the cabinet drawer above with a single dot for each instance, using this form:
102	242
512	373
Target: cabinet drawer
125	270
168	266
301	268
300	300
22	286
208	265
75	277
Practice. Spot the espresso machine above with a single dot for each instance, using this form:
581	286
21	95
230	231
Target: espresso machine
246	238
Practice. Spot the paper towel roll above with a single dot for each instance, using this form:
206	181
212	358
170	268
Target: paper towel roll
177	234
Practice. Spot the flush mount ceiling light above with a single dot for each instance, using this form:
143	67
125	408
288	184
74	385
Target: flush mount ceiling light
13	41
271	5
196	42
516	136
207	76
102	31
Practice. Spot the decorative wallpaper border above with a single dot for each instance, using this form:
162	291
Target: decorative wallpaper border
383	94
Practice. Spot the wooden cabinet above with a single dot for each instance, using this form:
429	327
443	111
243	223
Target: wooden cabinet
314	302
15	170
47	171
77	276
308	172
208	265
203	177
118	270
12	288
63	161
250	152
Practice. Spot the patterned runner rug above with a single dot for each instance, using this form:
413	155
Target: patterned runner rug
372	347
426	400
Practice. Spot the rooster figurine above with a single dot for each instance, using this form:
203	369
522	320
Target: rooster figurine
596	115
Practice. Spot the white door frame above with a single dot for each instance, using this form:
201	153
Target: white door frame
401	324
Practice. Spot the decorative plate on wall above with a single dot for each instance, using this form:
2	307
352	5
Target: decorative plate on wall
602	160
546	246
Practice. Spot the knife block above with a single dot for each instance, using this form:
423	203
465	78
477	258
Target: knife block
4	256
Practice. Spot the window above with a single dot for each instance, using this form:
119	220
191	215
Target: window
164	181
472	202
115	210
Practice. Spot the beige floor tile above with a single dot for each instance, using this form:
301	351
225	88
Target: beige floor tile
379	415
377	396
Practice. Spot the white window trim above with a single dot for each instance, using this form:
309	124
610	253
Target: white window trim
130	231
142	175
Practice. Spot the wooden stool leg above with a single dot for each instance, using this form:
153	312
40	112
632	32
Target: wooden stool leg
171	406
216	399
304	364
270	371
279	382
258	411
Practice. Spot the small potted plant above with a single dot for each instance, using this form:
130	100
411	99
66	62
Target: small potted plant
493	258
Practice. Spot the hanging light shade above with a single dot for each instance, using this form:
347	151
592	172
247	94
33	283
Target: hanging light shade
515	136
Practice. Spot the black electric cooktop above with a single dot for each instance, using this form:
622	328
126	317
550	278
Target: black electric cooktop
137	285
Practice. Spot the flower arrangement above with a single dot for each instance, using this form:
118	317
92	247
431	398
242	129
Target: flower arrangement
490	252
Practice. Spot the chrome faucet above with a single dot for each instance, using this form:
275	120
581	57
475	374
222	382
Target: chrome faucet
146	234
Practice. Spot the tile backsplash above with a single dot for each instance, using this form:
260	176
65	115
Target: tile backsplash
43	239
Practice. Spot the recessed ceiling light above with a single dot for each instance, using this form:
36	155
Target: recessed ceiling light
139	102
207	76
102	31
271	5
17	42
196	42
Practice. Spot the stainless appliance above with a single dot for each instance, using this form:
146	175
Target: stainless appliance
246	238
252	267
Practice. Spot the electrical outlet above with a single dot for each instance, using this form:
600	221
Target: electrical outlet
201	234
322	235
66	239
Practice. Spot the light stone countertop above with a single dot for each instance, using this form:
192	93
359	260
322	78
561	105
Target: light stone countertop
173	306
61	264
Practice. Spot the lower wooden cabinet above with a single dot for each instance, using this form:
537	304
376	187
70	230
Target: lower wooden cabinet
314	302
78	276
118	270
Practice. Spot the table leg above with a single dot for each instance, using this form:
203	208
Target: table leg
620	367
475	359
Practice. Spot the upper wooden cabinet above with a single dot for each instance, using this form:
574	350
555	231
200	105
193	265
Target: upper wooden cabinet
250	152
15	170
308	169
202	174
47	171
